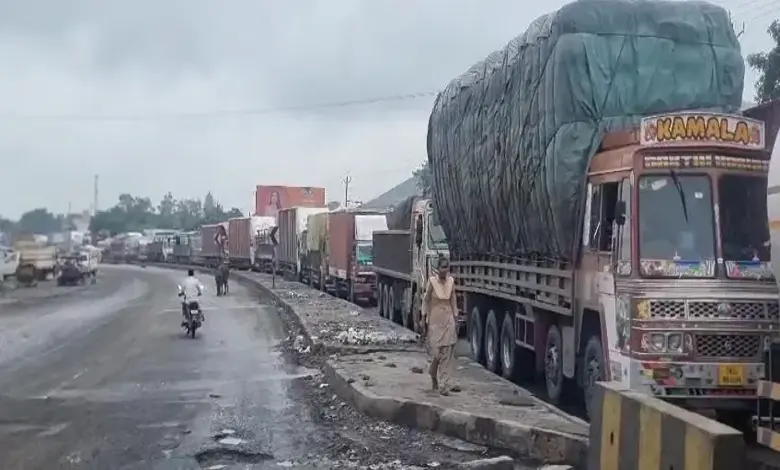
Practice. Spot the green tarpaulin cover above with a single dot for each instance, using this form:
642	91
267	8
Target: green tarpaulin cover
510	140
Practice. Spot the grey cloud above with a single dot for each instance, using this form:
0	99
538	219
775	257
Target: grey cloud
109	57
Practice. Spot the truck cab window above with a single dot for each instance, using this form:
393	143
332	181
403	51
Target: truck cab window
602	216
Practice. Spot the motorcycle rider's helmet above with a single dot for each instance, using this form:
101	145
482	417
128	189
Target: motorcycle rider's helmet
190	272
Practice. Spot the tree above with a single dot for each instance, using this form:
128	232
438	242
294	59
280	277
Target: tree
767	64
424	179
39	221
233	212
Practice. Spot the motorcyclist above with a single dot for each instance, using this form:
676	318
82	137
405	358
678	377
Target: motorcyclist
190	289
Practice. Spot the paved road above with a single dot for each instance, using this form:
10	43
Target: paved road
106	379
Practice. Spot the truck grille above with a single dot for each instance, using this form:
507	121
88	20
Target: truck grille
679	310
719	346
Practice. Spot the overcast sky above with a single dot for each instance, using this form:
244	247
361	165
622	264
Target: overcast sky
80	57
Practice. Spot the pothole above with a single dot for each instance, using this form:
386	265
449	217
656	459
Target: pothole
209	457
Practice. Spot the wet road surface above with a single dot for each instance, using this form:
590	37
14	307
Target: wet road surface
106	379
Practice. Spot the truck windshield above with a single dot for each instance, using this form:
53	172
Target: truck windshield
743	226
437	239
676	226
365	254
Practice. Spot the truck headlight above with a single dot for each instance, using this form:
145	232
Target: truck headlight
657	342
674	342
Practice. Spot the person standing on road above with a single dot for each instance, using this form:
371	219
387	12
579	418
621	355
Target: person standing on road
439	310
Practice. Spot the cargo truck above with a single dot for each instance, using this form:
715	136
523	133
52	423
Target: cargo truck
292	223
404	258
183	246
590	244
264	251
315	265
241	243
351	254
36	261
214	240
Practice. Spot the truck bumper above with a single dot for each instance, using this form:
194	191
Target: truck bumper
711	385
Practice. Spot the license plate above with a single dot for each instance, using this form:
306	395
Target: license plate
731	375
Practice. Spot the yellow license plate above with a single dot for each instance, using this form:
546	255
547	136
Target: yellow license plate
731	375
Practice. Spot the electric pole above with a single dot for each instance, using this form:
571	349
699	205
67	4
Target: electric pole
347	179
95	196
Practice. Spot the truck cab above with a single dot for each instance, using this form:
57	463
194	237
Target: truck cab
674	294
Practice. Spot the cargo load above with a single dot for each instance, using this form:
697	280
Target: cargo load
351	253
292	224
510	140
214	239
316	258
241	243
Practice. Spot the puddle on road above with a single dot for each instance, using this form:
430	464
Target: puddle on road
213	457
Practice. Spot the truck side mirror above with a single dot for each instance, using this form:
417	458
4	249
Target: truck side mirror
418	235
620	213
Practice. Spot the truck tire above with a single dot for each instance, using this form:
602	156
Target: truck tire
392	304
380	301
491	343
593	370
476	336
553	365
508	348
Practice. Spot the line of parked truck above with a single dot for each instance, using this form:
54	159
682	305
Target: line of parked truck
584	247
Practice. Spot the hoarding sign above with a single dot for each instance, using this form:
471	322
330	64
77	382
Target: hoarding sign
269	200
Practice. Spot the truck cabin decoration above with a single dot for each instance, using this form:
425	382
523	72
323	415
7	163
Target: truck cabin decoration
719	129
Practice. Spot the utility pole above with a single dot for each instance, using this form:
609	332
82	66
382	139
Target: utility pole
95	196
347	180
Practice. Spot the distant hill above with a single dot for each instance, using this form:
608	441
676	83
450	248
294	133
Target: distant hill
395	195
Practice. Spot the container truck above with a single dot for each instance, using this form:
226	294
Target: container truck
241	243
214	240
404	258
351	254
292	223
315	269
590	243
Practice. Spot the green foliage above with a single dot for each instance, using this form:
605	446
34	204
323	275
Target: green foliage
767	64
424	181
134	214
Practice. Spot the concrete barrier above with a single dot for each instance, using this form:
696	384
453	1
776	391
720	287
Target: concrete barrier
632	431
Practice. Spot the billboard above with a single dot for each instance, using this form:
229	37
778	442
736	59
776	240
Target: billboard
270	199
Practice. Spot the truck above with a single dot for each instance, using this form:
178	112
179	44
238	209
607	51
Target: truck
184	247
36	261
404	258
264	251
241	243
611	232
214	240
292	223
315	265
9	262
351	254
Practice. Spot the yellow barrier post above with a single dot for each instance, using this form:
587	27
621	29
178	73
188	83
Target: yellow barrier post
633	431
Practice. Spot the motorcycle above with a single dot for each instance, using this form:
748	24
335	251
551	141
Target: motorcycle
193	315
